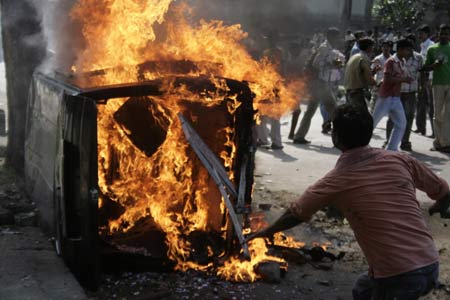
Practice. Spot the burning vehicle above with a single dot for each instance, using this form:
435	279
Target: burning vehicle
144	149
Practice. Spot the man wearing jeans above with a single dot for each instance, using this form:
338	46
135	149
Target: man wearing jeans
413	64
438	61
375	190
389	103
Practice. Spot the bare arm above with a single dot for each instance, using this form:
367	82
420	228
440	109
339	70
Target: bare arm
430	67
367	73
285	222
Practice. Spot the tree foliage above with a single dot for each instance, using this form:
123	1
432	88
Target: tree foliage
401	13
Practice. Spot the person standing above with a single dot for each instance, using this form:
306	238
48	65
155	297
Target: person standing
320	69
425	104
438	61
293	65
275	55
378	65
413	64
356	48
376	192
388	102
358	74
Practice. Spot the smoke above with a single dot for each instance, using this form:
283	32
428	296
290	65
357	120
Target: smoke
286	16
288	20
61	35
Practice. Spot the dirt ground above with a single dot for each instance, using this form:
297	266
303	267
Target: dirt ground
302	281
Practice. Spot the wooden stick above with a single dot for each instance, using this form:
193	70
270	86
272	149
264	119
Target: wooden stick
217	171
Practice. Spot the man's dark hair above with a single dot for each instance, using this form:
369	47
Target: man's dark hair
444	27
333	32
425	28
404	43
388	43
411	37
365	44
359	34
353	126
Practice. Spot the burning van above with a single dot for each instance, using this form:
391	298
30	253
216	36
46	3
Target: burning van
143	149
111	166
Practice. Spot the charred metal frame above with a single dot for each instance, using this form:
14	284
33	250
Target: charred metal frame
61	159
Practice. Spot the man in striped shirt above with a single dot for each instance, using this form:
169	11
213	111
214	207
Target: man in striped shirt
375	190
413	64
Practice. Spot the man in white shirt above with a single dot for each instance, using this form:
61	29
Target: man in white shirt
389	35
378	64
425	102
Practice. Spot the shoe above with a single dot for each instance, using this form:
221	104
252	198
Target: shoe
432	136
301	141
290	136
406	146
326	127
441	149
276	147
262	145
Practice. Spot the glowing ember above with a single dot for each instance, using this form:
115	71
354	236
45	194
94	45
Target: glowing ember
164	185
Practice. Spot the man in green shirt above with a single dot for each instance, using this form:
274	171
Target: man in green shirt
438	61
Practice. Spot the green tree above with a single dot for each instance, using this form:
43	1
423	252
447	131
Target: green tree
401	13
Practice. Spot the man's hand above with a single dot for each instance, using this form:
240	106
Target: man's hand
442	207
259	234
285	222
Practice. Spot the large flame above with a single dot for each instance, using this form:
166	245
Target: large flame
167	186
123	33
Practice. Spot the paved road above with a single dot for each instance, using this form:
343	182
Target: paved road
296	167
29	266
3	103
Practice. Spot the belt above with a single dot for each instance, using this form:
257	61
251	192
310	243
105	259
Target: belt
354	91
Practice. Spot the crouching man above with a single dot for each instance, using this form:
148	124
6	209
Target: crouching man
376	191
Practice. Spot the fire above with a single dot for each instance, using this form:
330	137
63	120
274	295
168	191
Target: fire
122	33
168	188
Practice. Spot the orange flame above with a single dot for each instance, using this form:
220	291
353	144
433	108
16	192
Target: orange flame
122	33
167	186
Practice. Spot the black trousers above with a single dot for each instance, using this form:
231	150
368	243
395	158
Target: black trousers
425	106
357	98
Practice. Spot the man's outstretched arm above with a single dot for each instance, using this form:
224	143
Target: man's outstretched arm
285	222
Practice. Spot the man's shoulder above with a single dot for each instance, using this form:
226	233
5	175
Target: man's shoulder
390	61
394	155
433	47
379	57
392	58
417	56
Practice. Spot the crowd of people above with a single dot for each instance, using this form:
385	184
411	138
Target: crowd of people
403	75
375	189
